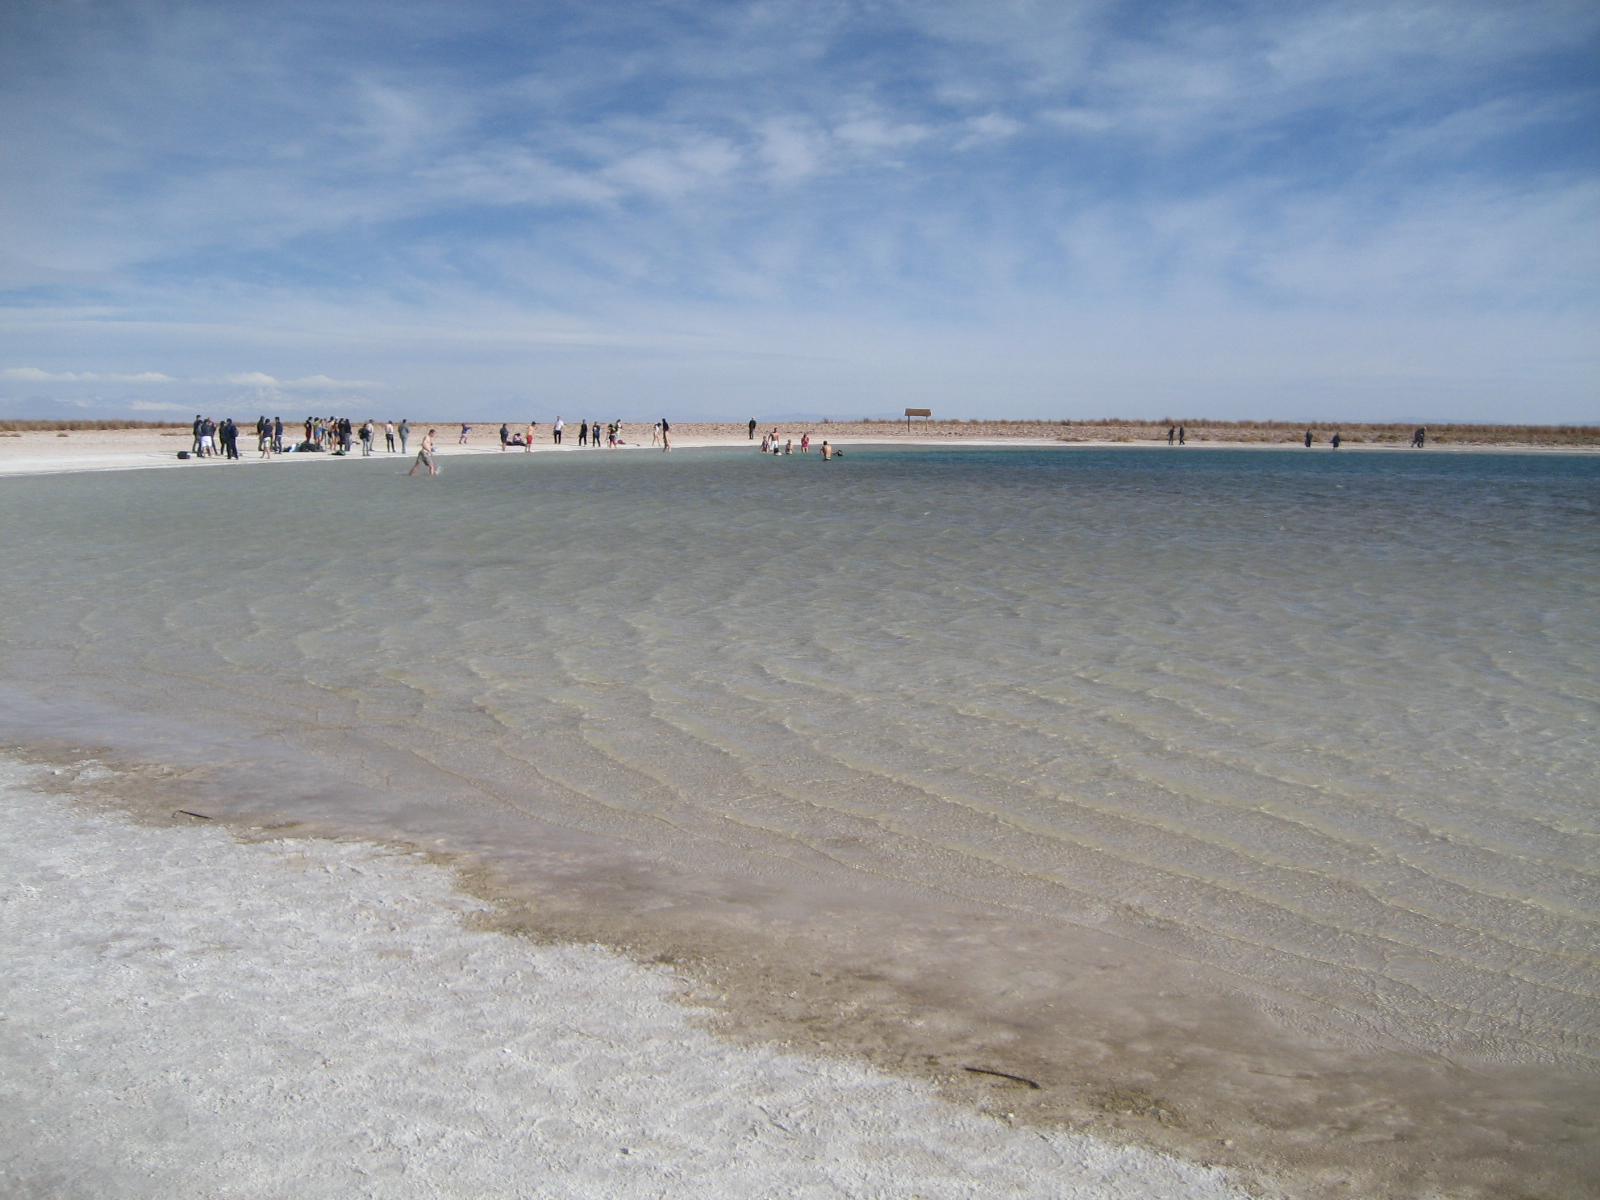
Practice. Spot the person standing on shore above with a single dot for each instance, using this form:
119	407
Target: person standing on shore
505	436
230	438
465	429
264	438
1172	432
368	434
1308	439
1337	438
277	435
1183	436
388	436
199	423
752	429
527	442
555	431
1419	439
405	433
425	457
666	434
583	433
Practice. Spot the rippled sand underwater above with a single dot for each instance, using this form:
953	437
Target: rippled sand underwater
1319	727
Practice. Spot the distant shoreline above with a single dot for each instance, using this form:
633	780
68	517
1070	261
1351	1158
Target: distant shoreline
1111	430
57	451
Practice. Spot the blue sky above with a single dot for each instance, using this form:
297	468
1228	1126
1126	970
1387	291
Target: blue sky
1344	210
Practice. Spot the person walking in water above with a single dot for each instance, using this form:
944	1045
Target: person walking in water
425	457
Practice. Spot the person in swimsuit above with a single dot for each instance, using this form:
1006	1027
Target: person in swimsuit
425	457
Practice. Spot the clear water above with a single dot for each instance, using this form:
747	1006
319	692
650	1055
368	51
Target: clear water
1322	727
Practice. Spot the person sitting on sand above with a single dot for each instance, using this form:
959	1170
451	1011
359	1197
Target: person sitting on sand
425	457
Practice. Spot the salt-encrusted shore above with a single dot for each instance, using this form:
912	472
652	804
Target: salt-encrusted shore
184	1014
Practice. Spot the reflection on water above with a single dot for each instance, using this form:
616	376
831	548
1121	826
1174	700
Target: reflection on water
1323	726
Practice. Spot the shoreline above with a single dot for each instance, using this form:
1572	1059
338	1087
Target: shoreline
1345	1119
191	1013
44	452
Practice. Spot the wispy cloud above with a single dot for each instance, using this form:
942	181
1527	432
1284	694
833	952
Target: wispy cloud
248	378
328	191
35	375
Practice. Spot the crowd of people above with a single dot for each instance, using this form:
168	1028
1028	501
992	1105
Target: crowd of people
341	436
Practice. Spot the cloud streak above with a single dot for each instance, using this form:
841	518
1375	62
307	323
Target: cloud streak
734	177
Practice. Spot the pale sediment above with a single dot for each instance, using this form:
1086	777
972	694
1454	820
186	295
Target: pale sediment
187	1015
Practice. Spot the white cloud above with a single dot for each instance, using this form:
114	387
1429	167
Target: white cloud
157	406
35	375
249	378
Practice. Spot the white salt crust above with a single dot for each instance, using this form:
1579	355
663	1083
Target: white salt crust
185	1015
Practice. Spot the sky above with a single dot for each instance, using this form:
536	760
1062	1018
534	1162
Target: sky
496	210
